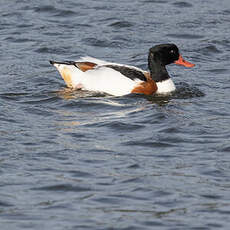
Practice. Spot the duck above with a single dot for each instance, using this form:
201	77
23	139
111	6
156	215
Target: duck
115	79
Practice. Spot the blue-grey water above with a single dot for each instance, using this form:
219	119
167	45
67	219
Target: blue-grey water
83	160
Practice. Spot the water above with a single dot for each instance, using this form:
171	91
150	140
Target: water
83	160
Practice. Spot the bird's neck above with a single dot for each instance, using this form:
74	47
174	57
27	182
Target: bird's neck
158	71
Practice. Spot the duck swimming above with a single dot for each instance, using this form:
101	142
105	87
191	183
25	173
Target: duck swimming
115	79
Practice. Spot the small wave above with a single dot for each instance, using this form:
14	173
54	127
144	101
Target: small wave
18	40
226	12
5	204
222	42
121	24
218	71
148	143
55	11
52	50
182	4
48	8
209	49
62	188
101	43
120	126
186	36
156	1
65	13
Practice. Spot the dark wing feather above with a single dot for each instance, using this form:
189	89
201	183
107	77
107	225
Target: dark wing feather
128	72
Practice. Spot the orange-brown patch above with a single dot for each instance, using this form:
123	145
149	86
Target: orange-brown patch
148	87
84	66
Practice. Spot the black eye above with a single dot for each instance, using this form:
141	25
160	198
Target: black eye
172	51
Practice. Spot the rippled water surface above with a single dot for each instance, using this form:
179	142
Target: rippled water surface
83	160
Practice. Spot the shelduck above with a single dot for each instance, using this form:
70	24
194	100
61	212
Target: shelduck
115	79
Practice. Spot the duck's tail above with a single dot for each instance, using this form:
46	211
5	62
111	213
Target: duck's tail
69	72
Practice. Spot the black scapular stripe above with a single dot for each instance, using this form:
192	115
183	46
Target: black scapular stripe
129	72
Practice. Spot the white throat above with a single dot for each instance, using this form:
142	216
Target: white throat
166	86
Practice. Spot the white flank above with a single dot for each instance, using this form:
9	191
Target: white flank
165	87
108	81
